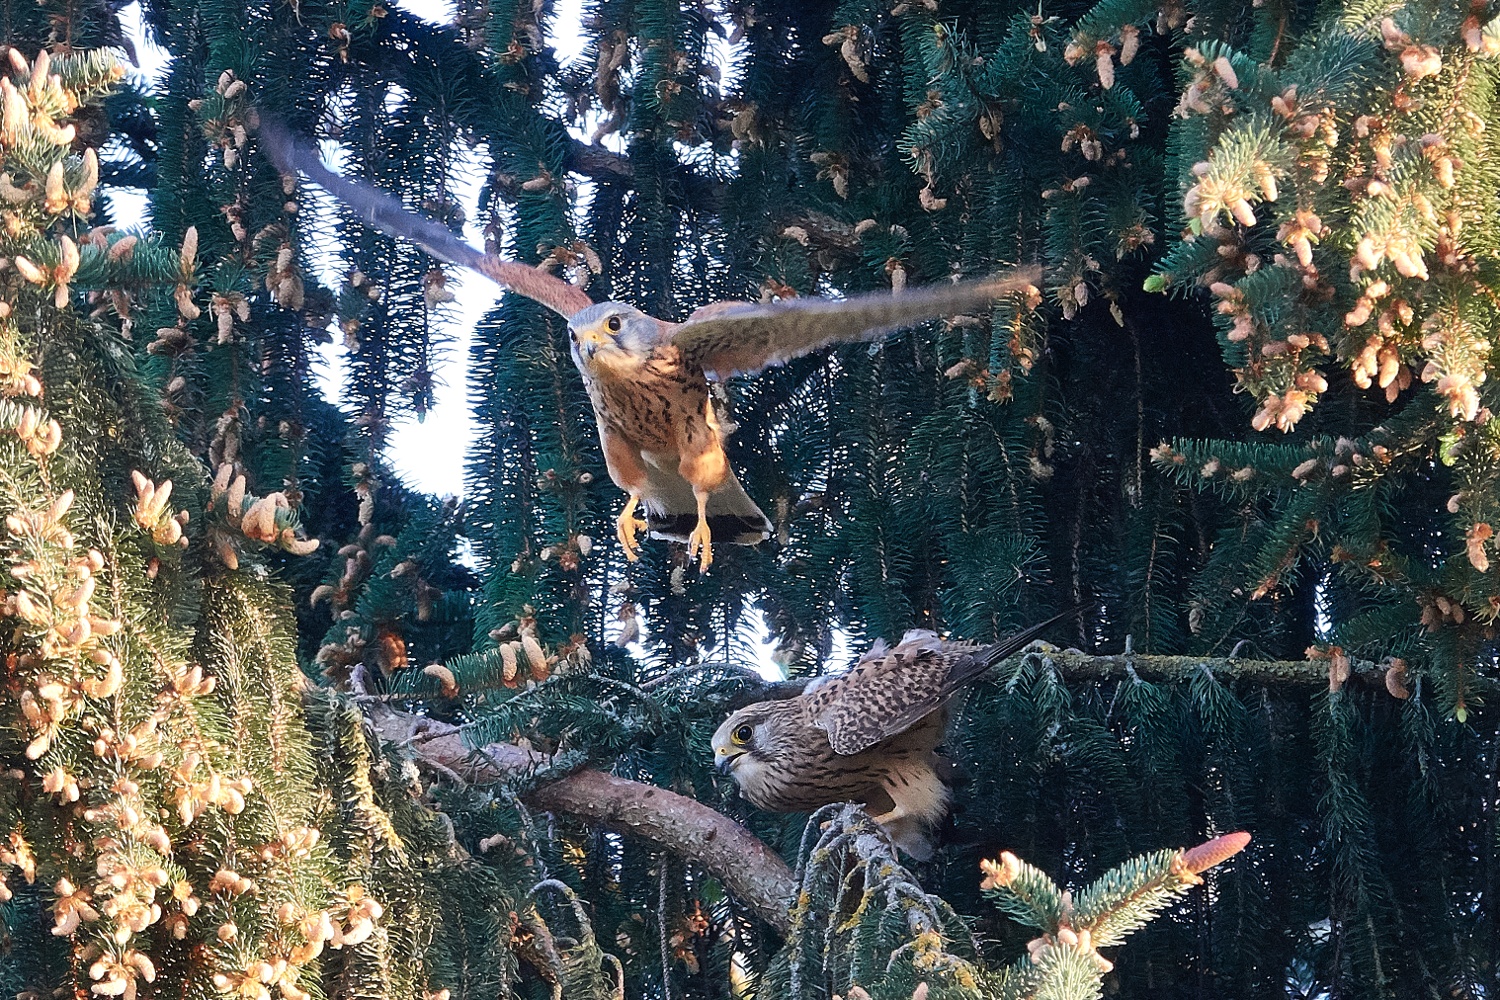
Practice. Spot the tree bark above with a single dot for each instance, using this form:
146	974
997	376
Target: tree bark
1073	665
750	870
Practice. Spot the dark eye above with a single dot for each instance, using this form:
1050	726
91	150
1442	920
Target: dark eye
742	734
612	324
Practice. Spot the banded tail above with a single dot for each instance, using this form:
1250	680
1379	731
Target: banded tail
672	513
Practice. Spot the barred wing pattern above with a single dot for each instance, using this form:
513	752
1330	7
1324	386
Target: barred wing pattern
729	337
387	214
888	692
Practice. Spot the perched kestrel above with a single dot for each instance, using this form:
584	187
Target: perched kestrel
649	379
869	735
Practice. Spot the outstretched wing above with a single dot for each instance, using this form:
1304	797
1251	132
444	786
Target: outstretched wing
729	337
391	217
886	694
561	297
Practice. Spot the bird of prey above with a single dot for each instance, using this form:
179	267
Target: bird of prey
648	379
869	735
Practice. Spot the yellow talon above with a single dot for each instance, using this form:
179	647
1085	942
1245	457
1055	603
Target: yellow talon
627	526
701	540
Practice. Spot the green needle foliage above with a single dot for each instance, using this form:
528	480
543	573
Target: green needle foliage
1247	416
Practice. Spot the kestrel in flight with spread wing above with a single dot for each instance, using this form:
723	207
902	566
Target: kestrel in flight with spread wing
648	379
869	735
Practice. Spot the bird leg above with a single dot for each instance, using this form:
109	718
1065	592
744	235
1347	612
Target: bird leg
890	816
627	526
701	540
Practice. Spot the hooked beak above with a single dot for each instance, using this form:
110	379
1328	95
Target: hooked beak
589	341
725	762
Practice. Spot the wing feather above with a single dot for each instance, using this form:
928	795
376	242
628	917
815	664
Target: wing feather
729	337
881	697
387	214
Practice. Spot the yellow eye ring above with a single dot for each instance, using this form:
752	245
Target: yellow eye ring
741	735
612	324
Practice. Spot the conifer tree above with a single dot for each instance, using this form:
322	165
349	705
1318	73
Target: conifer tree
274	723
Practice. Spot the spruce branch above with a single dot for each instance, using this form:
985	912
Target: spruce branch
1023	892
749	869
1073	665
1064	962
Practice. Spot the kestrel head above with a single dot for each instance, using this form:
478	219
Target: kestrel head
755	737
610	331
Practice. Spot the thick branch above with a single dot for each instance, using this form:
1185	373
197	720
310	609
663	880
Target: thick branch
598	163
1073	665
749	869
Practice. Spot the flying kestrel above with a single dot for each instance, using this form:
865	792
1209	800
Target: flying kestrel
869	735
649	379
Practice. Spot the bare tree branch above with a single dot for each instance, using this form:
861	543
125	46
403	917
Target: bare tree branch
1074	665
750	870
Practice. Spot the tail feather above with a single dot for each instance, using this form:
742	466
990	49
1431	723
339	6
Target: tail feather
992	655
985	658
737	529
672	510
